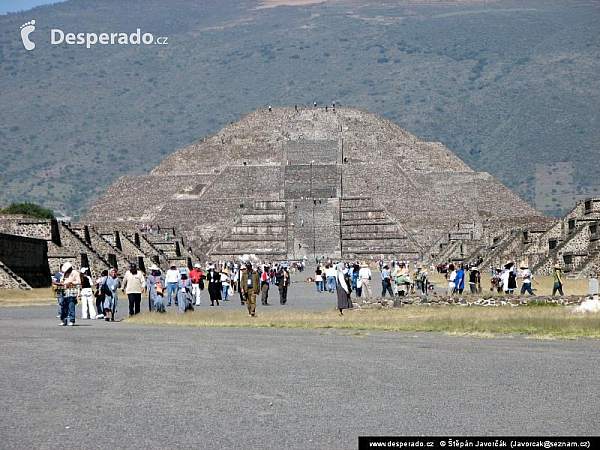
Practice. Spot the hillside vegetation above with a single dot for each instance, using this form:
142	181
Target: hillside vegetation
512	87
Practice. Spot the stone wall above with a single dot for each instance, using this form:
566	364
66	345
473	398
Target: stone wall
26	257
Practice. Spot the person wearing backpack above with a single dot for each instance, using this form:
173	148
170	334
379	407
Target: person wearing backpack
155	286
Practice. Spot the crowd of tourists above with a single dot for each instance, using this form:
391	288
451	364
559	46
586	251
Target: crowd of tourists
185	288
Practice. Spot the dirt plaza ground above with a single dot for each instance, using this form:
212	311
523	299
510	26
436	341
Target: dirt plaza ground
120	385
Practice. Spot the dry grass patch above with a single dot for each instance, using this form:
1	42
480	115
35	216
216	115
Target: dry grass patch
35	297
475	321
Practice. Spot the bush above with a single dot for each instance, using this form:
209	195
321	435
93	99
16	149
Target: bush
29	209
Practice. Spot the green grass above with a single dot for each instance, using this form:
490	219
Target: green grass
545	323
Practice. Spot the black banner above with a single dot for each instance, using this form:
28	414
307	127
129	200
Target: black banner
440	442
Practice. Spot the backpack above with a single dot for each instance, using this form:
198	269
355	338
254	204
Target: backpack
159	288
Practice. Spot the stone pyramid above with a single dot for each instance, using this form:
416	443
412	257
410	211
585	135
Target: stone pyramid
283	184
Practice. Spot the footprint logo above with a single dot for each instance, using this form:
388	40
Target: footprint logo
26	30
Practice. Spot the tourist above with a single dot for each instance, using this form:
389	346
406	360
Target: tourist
509	278
474	280
242	292
59	291
558	283
451	277
386	281
424	278
100	293
111	296
364	280
460	280
225	280
319	277
134	285
250	284
155	287
527	277
71	283
88	308
264	286
354	278
172	278
344	288
331	274
197	279
283	282
184	292
214	285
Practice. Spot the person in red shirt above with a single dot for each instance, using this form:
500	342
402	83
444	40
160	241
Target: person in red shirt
264	285
197	278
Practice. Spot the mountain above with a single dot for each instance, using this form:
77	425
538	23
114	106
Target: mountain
511	87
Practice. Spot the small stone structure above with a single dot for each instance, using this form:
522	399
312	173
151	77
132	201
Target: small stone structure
31	249
572	241
281	184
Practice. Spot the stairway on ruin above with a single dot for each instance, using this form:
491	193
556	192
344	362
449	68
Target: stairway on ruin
18	281
100	261
262	232
554	255
366	230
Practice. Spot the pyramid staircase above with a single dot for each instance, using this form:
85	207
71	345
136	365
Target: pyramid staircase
262	232
93	254
368	231
20	282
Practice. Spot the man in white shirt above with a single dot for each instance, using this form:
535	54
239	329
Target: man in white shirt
331	273
364	279
527	277
172	279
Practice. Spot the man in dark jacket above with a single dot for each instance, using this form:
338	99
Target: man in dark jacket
283	281
250	286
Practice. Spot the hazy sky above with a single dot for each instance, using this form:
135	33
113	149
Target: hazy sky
7	6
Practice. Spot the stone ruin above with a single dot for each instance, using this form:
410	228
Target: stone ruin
288	183
32	249
572	241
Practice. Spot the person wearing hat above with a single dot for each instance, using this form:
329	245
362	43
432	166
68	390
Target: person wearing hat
283	282
527	276
364	281
197	278
250	285
88	308
184	292
155	288
71	282
386	281
134	285
213	278
172	278
557	281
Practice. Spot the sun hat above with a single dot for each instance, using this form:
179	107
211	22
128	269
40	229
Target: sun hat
66	266
83	270
197	266
523	265
557	266
154	267
183	271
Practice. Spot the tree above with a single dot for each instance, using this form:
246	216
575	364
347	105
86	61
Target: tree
29	209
